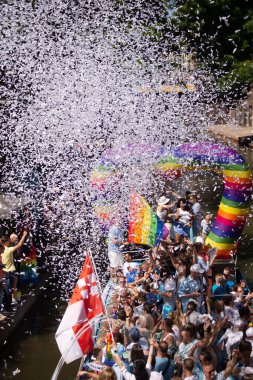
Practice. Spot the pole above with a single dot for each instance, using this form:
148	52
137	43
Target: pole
80	332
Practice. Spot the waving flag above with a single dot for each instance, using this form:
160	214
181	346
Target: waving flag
74	335
144	225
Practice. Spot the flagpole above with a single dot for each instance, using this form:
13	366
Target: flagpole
100	290
62	360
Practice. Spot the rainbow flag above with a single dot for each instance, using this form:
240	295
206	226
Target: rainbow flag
144	225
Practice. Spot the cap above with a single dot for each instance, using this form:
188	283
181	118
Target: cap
163	200
196	268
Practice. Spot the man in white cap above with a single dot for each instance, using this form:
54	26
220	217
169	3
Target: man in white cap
192	287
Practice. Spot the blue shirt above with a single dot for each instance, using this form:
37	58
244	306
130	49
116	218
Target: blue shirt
218	290
189	285
118	234
130	276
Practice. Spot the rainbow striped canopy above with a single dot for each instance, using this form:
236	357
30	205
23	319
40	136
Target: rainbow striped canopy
144	225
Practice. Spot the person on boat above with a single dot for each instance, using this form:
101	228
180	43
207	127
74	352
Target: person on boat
128	262
188	342
165	213
164	208
206	225
218	289
197	214
141	370
183	221
188	370
229	280
106	374
192	287
115	241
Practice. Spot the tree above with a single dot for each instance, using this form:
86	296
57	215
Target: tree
221	33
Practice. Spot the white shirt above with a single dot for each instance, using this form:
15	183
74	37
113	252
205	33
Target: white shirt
184	349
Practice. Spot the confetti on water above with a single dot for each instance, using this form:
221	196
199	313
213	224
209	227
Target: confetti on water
76	80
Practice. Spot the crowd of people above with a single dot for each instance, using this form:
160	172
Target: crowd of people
169	316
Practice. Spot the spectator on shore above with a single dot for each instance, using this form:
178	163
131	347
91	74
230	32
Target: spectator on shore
9	267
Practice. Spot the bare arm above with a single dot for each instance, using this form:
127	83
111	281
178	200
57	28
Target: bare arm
173	260
90	375
21	241
231	364
151	350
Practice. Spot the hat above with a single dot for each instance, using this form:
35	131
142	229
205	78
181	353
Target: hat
196	268
134	334
199	239
156	271
249	332
163	200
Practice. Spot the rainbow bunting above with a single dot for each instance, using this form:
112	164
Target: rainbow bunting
144	225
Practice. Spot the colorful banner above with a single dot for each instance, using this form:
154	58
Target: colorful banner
144	225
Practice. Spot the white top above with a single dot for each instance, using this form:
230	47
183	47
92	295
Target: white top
185	216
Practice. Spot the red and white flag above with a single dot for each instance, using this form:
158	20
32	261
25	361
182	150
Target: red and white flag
74	335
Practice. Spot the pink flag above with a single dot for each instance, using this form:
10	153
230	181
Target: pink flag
74	335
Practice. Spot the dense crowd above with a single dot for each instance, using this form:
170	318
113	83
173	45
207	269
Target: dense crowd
170	316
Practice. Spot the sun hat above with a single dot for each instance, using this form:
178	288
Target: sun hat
163	200
196	268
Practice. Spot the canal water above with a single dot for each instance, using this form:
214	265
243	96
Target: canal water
33	353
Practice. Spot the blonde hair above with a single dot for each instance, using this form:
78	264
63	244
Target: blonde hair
107	374
219	278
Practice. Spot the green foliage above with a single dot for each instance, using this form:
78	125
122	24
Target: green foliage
221	33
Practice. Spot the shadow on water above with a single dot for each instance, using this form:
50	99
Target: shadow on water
32	353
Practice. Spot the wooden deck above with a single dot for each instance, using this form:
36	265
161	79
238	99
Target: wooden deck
243	136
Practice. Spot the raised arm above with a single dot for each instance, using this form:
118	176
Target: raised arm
173	260
21	241
151	351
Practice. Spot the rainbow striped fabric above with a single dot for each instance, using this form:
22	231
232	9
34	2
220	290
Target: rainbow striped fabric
144	225
234	207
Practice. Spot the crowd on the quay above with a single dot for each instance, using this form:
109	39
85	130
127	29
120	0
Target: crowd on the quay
169	318
16	250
